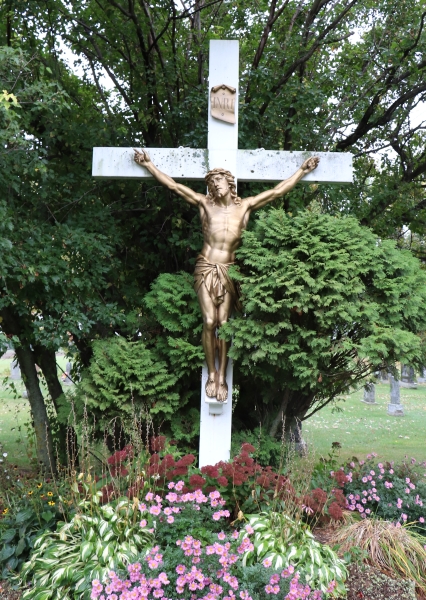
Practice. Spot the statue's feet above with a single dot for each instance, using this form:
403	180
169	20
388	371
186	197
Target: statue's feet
222	391
211	386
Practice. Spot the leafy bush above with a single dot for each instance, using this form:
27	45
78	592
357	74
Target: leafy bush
392	492
96	540
279	541
124	379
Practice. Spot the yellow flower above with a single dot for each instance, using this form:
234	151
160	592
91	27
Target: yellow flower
39	485
5	511
50	493
51	503
30	493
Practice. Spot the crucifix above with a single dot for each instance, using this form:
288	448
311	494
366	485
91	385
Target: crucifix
223	216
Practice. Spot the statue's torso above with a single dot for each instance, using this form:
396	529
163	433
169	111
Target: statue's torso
222	228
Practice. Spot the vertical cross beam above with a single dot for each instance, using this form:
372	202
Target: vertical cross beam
216	417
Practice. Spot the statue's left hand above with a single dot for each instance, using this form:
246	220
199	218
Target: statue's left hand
141	157
310	164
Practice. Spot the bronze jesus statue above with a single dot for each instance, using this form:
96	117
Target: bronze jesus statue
224	216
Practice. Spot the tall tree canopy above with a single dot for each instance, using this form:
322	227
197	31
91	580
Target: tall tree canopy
345	75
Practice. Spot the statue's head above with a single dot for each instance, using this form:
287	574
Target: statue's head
218	181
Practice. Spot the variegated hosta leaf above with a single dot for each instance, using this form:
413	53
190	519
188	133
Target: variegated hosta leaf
86	550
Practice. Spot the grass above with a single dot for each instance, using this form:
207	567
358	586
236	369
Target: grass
16	437
363	428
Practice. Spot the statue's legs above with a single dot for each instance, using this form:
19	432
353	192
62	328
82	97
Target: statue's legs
223	313
209	312
213	317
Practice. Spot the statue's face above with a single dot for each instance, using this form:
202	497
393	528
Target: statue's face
220	185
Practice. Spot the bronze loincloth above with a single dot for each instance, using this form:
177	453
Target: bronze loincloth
217	281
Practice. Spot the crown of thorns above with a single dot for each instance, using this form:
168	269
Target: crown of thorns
219	171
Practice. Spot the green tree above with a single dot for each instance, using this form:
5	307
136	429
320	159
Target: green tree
311	79
326	304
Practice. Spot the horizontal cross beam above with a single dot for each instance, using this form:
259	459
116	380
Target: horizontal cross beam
252	165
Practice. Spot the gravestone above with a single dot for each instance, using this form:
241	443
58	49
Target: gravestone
422	376
15	371
407	377
395	407
369	393
67	379
246	165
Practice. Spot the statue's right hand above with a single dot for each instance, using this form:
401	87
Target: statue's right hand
141	158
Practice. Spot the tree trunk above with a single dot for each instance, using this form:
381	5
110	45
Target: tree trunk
290	414
67	438
43	434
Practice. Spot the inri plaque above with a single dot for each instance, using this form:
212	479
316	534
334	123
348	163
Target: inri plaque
222	103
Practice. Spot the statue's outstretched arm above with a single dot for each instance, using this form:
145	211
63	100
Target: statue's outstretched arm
142	158
284	186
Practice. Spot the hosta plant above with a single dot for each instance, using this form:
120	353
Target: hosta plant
98	539
278	541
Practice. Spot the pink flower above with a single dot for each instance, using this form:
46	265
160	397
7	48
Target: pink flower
267	562
143	523
249	529
149	496
155	510
421	520
221	536
170	519
287	572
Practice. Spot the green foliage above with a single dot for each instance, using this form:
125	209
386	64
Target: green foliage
268	451
281	541
307	83
320	477
326	304
96	540
125	379
27	515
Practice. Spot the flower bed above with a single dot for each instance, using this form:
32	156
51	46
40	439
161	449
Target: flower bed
207	564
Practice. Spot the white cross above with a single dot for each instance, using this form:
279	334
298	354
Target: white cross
245	165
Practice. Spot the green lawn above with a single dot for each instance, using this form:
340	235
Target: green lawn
363	428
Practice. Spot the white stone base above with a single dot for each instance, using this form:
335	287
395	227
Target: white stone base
215	423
